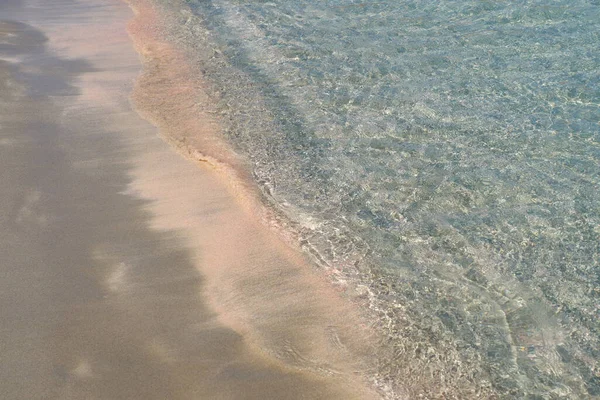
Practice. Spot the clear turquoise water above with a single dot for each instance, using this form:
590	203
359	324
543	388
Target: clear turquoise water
446	154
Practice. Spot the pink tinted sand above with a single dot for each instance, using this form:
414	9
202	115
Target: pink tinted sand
257	283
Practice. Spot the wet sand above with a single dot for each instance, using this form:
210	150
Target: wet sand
126	270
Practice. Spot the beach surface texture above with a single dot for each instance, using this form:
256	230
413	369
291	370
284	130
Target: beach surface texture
134	266
299	199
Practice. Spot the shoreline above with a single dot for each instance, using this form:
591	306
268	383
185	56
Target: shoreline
180	107
191	105
159	278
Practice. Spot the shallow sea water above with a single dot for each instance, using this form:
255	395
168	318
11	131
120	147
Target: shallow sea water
444	154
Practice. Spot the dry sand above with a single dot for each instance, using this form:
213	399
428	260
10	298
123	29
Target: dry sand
126	270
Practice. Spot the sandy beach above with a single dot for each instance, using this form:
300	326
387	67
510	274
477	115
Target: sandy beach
128	270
